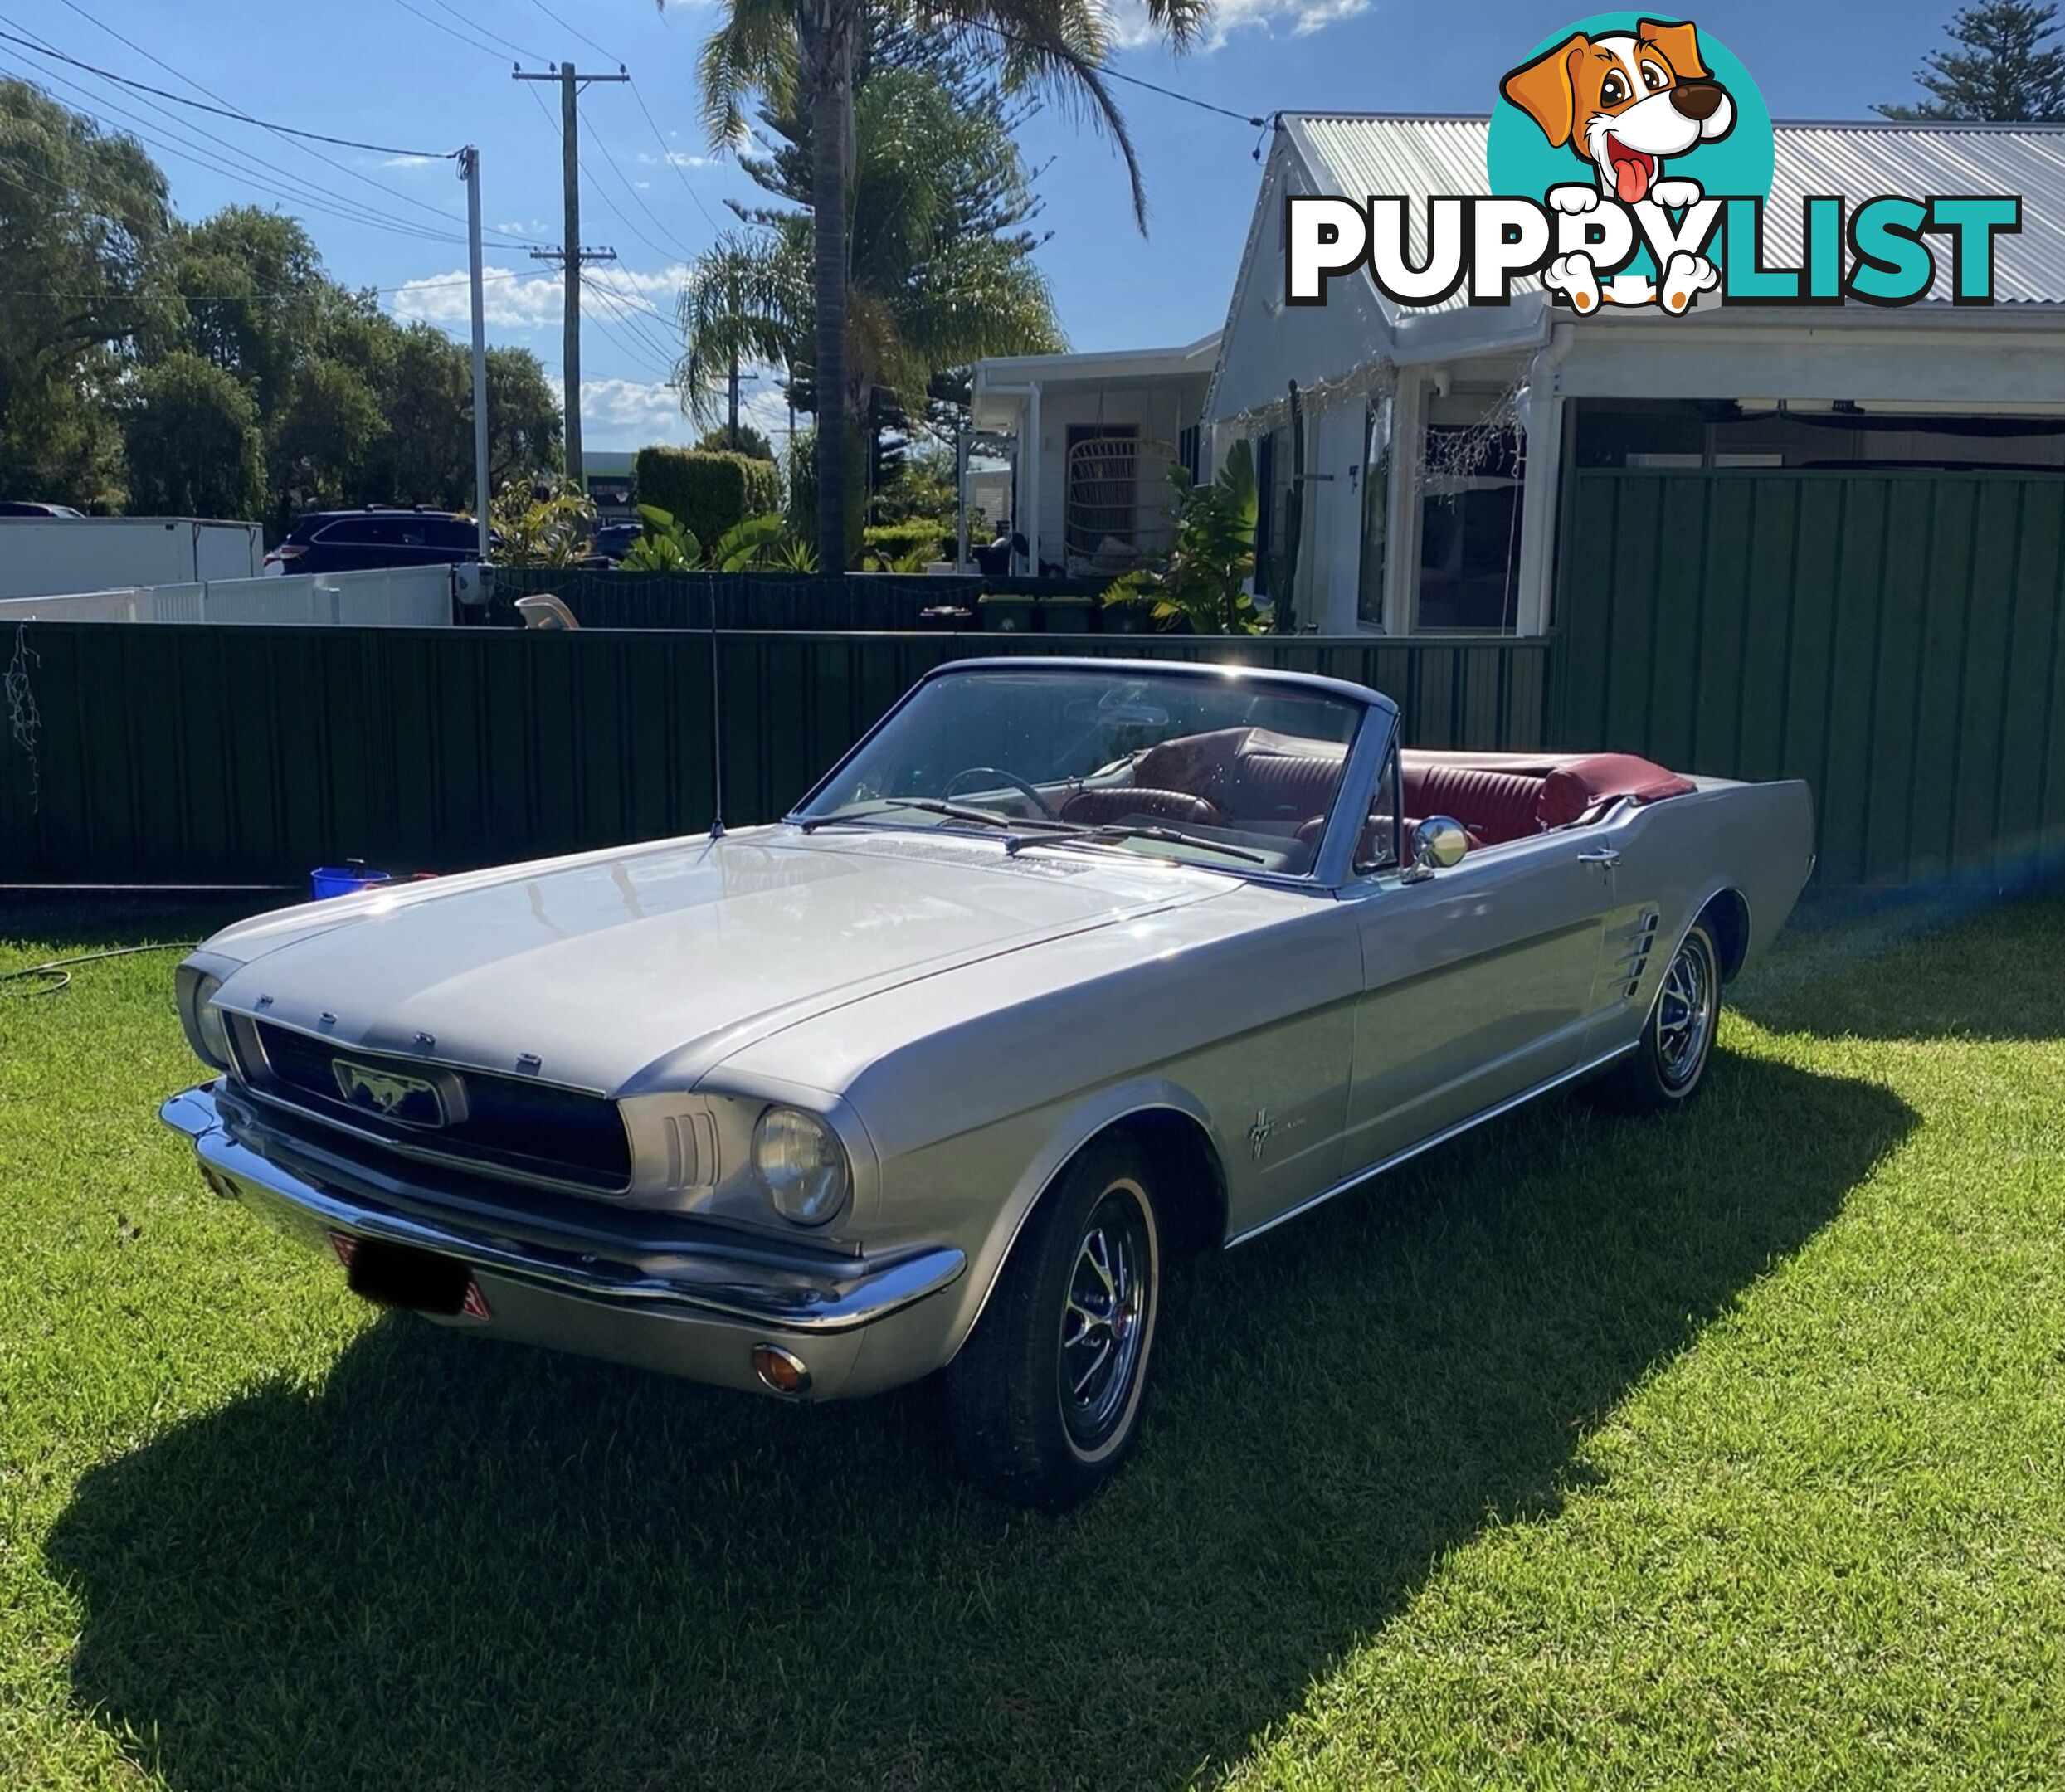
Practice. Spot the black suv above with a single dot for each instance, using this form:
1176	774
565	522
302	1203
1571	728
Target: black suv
354	540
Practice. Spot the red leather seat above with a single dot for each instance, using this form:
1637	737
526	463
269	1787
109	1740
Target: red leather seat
1493	805
1576	787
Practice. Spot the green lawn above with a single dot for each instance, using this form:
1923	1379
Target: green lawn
1727	1448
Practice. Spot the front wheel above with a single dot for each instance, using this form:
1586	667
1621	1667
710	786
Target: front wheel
1045	1398
1668	1067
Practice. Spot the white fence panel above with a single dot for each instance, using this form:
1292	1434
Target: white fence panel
388	597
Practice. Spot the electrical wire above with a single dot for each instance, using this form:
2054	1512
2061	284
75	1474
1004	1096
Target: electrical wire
1106	73
177	74
473	24
663	356
230	112
185	149
666	155
472	43
573	31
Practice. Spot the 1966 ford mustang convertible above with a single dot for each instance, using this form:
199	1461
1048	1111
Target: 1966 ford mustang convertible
1069	967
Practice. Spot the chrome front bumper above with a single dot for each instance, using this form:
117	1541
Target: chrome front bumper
676	1300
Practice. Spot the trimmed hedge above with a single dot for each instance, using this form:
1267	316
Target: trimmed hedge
706	491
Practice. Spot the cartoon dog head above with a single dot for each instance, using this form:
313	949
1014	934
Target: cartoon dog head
1624	100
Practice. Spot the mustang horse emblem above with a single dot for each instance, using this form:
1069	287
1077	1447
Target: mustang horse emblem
412	1100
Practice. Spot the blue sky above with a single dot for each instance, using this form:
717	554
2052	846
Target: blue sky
432	73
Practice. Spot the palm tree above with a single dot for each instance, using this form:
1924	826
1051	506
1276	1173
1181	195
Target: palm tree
936	278
800	54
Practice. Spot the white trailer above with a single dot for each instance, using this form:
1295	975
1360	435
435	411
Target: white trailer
40	556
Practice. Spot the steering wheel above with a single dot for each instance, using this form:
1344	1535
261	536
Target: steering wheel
1001	776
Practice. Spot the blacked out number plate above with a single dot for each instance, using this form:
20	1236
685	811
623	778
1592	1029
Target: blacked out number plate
400	1275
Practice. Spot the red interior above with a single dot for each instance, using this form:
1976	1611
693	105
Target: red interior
1250	777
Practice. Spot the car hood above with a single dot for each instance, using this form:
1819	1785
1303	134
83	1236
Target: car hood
639	969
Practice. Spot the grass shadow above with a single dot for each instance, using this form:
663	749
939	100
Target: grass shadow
1941	965
456	1565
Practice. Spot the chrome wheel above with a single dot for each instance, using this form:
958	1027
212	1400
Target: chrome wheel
1685	1013
1106	1316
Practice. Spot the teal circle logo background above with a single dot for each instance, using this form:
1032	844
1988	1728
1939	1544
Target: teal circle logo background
1520	164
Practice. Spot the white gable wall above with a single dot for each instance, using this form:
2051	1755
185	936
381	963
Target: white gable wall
1267	343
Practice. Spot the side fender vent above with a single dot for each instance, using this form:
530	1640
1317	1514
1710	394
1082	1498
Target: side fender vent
1635	959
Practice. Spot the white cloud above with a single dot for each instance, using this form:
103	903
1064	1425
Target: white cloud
410	161
616	413
511	299
1298	18
678	158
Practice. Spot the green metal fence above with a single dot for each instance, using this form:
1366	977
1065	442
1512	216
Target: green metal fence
1894	639
169	754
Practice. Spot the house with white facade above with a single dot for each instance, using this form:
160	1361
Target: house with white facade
1089	440
1436	441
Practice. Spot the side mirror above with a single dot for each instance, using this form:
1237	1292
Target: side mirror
1438	844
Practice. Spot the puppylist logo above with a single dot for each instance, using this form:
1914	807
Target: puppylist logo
1630	161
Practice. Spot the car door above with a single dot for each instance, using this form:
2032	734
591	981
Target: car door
1477	984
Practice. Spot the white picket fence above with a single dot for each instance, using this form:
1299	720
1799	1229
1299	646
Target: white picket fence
390	597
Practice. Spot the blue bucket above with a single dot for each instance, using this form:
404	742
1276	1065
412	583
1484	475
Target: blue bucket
343	880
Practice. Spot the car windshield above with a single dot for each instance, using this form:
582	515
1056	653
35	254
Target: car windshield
1236	772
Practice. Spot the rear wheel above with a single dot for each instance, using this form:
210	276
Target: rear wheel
1044	1399
1668	1066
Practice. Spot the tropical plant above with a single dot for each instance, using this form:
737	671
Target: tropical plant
549	531
800	54
1205	582
757	542
665	547
940	275
747	544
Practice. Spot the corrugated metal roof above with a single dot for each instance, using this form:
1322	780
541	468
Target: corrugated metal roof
1362	155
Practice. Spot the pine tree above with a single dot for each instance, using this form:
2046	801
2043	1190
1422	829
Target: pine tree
2001	74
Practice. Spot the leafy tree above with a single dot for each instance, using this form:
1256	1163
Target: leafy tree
252	294
425	391
192	436
323	439
82	218
1205	582
718	437
2002	73
523	419
800	55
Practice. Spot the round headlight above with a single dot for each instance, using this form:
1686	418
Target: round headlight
802	1165
207	1032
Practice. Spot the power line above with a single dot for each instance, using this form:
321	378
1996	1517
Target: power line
378	186
470	41
185	150
474	25
229	112
573	31
631	320
666	155
1104	73
645	354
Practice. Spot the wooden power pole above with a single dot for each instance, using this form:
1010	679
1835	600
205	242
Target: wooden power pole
571	255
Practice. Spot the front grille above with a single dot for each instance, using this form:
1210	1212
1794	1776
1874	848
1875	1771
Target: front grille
507	1122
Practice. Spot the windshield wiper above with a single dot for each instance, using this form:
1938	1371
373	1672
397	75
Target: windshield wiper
1121	830
935	805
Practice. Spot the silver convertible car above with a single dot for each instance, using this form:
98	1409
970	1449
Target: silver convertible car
1069	967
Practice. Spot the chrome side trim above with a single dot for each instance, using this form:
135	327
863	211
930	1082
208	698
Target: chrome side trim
1432	1140
684	1280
